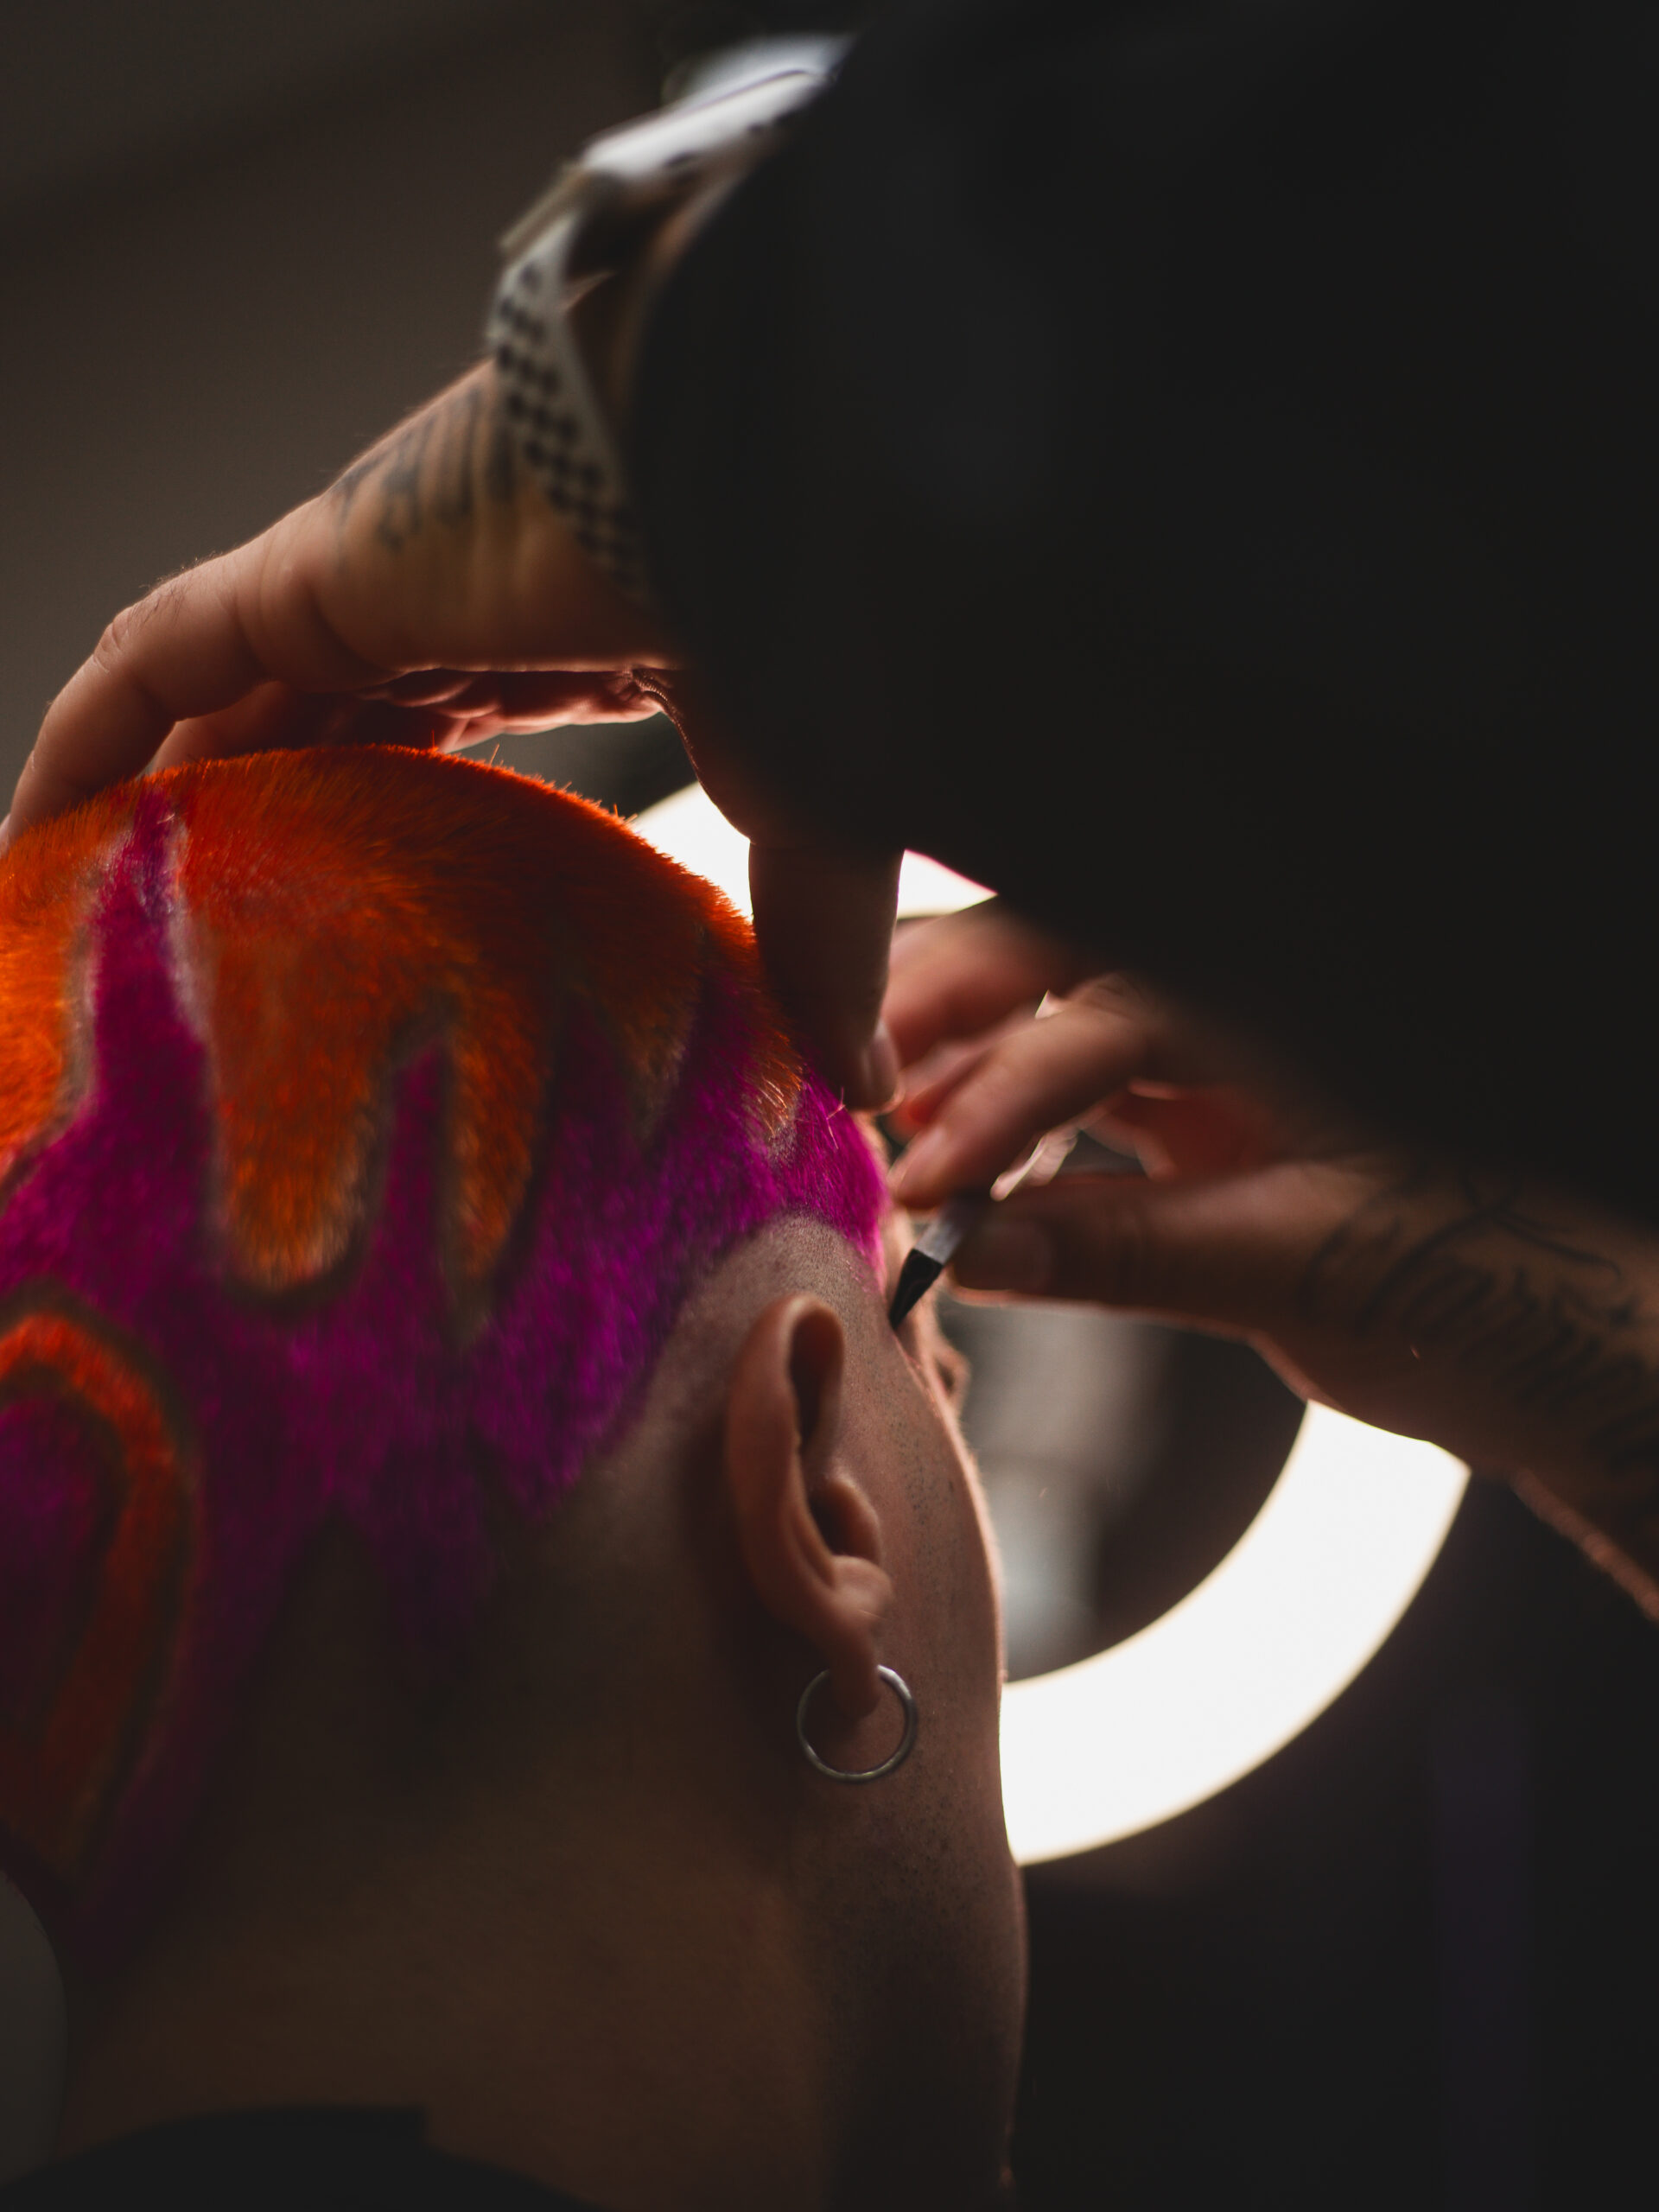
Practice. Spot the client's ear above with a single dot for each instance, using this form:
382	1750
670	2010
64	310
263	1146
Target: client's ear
808	1534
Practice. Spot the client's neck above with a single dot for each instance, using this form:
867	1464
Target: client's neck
579	1966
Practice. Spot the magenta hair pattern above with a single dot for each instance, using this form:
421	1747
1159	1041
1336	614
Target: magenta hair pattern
366	1118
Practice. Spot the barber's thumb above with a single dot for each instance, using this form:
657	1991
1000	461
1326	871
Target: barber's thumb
1201	1252
824	921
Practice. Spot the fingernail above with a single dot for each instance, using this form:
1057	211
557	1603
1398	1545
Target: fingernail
1008	1255
880	1068
912	1171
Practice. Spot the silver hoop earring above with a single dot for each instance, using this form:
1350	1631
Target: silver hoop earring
895	1760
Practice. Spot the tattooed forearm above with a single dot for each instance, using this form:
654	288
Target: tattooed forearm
438	469
1476	1274
399	485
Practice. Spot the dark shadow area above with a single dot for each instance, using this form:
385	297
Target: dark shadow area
625	765
1408	1962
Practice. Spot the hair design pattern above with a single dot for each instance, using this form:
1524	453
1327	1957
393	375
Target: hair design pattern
377	1112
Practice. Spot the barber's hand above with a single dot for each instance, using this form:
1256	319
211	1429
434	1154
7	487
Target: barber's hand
824	912
433	597
1516	1326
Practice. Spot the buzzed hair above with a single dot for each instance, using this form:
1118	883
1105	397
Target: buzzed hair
366	1118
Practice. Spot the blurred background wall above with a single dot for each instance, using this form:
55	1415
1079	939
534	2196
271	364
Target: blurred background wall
1408	1962
236	242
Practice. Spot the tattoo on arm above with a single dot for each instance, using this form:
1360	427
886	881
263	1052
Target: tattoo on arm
436	470
400	485
1556	1327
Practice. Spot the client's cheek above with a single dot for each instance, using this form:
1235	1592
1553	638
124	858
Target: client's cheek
959	1550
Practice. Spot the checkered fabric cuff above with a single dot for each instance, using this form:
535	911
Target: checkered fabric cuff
625	180
558	423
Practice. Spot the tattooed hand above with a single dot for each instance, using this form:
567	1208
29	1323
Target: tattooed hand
1516	1326
433	597
430	595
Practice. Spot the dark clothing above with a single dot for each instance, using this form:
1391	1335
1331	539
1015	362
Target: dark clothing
307	2160
1196	468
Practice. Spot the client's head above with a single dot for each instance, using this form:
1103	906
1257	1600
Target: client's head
447	1420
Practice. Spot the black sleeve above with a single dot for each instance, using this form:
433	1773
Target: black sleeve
1193	467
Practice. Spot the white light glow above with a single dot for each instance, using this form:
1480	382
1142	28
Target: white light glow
691	830
1310	1592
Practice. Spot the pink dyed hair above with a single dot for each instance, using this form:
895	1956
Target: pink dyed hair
364	1119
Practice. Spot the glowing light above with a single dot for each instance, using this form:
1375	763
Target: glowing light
690	828
1305	1598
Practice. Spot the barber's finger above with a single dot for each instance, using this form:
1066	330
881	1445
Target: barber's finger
273	719
1192	1133
1229	1252
390	570
444	709
1041	1075
494	701
193	647
932	1079
823	915
963	973
823	922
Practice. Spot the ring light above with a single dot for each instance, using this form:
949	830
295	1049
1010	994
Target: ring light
691	830
1308	1594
